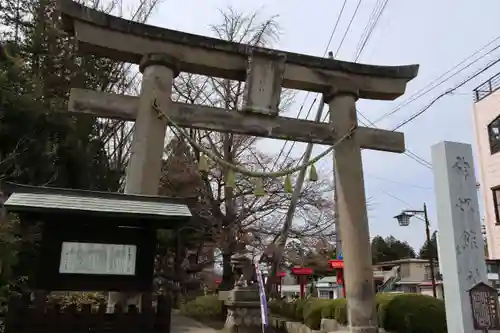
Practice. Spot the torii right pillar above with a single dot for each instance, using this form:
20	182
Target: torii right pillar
352	214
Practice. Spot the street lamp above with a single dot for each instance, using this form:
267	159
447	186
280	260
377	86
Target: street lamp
404	221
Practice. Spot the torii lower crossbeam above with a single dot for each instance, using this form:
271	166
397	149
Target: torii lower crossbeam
106	105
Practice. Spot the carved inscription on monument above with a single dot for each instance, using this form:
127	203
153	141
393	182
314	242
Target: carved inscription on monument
468	240
101	259
462	166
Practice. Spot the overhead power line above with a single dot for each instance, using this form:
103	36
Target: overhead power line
441	79
335	27
433	85
387	180
372	22
407	152
348	27
330	55
449	91
411	154
307	94
370	27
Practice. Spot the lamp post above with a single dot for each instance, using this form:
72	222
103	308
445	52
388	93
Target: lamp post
404	221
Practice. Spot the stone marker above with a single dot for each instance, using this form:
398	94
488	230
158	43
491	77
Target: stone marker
461	245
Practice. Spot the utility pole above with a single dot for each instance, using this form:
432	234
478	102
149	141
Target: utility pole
281	240
431	256
404	220
338	240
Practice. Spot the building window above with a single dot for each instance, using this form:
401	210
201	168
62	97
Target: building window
428	275
494	135
411	289
325	294
492	267
404	270
496	202
495	284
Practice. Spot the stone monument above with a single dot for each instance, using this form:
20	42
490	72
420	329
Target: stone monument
243	301
461	246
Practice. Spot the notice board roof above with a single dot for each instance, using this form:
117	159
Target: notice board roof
24	198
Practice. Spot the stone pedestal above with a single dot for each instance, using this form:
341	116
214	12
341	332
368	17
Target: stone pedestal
243	313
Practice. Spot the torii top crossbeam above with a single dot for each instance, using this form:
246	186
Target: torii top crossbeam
109	36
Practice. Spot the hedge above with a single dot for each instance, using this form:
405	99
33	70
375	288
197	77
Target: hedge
398	313
64	299
312	313
414	313
203	307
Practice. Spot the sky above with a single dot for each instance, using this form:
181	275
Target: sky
434	34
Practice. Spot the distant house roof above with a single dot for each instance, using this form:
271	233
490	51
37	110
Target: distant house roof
53	200
429	284
492	261
328	279
290	288
402	261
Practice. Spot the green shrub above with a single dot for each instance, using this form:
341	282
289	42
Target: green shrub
295	310
413	313
275	306
340	313
335	309
283	308
382	299
299	308
203	307
289	310
65	299
397	313
328	311
312	312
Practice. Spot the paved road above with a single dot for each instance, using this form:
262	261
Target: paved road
181	324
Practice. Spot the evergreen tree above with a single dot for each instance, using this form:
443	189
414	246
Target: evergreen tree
41	144
429	249
389	249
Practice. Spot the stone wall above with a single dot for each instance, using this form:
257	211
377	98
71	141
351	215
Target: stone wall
327	325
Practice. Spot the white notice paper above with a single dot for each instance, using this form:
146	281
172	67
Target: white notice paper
99	259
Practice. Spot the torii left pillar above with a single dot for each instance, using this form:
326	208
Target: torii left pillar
144	167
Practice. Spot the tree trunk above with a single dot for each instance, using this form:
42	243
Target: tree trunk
227	272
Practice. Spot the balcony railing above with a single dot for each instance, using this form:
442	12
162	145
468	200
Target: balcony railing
487	88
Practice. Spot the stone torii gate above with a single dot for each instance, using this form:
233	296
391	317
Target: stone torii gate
162	53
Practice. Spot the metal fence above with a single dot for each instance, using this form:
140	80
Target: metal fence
487	88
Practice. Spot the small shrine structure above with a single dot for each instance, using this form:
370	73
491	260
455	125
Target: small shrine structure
338	266
278	284
302	274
